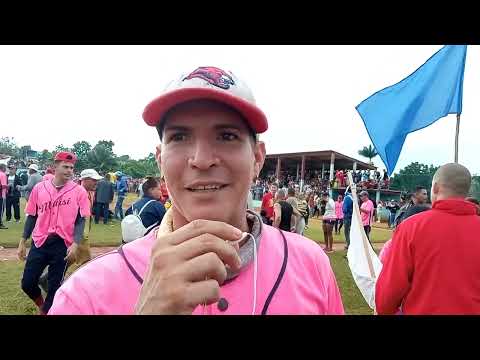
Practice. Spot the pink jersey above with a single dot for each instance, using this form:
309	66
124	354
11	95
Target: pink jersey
3	184
56	210
48	177
367	217
107	286
338	209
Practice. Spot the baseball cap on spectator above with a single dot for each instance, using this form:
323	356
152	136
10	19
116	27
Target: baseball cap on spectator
33	167
66	156
207	83
90	174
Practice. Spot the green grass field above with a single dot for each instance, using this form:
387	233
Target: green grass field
14	301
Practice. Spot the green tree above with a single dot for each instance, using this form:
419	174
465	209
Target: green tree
107	143
45	159
101	158
369	152
8	146
81	149
60	148
415	174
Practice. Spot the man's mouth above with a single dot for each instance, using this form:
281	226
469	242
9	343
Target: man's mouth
205	188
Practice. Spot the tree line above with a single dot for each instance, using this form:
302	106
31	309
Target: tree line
99	157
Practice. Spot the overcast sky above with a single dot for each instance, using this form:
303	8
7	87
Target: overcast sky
51	95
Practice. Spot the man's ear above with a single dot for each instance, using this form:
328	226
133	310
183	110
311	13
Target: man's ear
260	154
158	155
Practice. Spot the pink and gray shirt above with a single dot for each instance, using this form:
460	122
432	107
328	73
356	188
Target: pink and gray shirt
294	277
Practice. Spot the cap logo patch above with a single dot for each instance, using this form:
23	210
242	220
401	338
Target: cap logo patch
213	75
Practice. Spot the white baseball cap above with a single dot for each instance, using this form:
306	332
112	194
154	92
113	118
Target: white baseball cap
90	173
212	83
34	167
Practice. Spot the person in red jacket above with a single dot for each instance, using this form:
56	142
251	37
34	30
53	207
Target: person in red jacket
433	267
267	202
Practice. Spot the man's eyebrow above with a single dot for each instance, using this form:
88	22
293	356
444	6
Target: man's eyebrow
175	128
229	126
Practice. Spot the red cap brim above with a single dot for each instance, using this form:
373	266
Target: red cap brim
156	109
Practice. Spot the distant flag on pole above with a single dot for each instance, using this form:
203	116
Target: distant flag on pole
433	91
362	260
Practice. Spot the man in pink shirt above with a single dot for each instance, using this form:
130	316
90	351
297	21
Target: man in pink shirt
366	211
56	212
210	255
3	192
49	174
339	214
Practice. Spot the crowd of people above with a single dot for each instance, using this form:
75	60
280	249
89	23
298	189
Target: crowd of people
210	253
314	182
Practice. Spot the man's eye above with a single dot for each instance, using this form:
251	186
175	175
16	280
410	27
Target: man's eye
178	137
227	136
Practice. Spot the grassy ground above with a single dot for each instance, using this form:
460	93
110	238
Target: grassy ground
101	235
14	301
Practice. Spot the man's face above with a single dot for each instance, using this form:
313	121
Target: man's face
273	190
208	159
63	171
156	192
89	184
12	171
421	197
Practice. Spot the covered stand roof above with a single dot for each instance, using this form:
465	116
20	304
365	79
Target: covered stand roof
313	161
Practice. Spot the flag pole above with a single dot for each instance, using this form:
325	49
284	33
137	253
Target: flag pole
456	138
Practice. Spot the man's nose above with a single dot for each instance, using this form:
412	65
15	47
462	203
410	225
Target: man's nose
203	156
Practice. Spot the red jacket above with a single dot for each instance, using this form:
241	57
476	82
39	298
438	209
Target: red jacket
267	204
434	263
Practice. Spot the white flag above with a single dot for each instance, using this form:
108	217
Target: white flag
362	259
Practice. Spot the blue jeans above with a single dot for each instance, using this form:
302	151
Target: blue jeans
51	254
118	207
101	209
391	219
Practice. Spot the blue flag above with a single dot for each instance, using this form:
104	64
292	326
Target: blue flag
433	91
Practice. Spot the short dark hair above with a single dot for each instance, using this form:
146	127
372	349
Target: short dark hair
291	191
420	188
150	184
3	167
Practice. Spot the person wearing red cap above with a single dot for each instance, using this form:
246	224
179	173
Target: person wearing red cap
210	255
56	213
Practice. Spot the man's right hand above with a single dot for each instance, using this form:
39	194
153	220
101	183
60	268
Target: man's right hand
187	268
22	250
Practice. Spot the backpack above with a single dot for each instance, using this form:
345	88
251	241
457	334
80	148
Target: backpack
132	226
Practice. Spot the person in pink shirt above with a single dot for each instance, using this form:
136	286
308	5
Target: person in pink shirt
49	174
339	214
56	212
366	212
3	193
210	255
